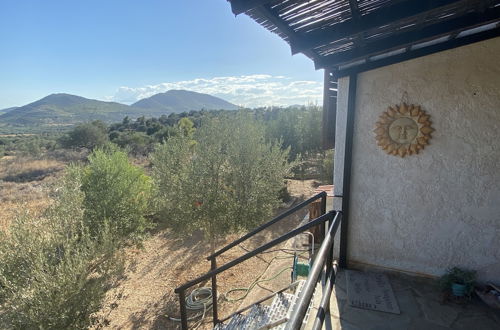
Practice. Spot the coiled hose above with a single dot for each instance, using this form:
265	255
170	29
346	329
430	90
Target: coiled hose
200	299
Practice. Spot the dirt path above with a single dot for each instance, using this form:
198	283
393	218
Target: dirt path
146	296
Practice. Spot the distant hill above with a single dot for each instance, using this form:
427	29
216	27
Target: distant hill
66	109
181	100
2	111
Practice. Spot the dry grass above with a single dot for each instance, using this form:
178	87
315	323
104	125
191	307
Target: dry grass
20	169
24	185
146	295
302	188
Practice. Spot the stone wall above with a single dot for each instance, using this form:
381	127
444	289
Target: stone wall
441	208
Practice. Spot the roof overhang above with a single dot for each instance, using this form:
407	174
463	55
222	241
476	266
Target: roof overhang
346	36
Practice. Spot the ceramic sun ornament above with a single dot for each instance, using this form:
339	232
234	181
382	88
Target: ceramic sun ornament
403	130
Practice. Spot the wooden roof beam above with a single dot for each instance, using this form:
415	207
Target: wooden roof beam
274	18
241	6
356	17
393	42
354	9
381	17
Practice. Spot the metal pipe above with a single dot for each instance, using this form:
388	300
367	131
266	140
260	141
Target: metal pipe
324	306
258	250
304	299
213	266
323	203
326	225
182	302
267	224
329	258
346	189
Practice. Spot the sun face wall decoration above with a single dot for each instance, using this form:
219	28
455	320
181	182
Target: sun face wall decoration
403	130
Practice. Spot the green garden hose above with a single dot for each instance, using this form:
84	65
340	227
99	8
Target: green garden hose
200	299
254	283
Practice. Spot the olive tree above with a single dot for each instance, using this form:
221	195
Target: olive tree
226	182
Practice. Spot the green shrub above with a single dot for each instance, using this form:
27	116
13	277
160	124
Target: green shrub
56	269
53	274
226	182
88	135
115	193
138	143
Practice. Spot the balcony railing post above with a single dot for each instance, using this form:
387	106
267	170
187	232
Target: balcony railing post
213	266
329	258
323	204
327	224
182	302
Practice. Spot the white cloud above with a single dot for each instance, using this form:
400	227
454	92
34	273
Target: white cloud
249	91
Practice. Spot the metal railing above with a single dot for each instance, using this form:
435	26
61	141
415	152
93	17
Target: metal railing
212	274
213	258
283	215
322	262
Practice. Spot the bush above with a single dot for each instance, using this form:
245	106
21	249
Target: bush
228	181
53	274
56	269
116	193
137	142
88	135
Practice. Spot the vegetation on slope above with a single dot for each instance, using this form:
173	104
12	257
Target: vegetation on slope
56	268
222	170
66	109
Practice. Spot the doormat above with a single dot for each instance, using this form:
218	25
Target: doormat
371	291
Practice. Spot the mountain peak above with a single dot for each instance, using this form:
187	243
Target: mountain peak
179	100
60	99
63	108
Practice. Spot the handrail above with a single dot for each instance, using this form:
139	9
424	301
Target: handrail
297	207
305	297
276	241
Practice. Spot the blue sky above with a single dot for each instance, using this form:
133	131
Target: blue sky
128	49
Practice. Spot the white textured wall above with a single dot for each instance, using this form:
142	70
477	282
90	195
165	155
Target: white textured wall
440	208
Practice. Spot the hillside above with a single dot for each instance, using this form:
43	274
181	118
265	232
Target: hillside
65	109
2	111
182	100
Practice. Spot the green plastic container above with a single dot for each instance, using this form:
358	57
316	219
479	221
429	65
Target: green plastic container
302	269
458	290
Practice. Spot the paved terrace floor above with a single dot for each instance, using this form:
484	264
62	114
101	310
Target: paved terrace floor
421	307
